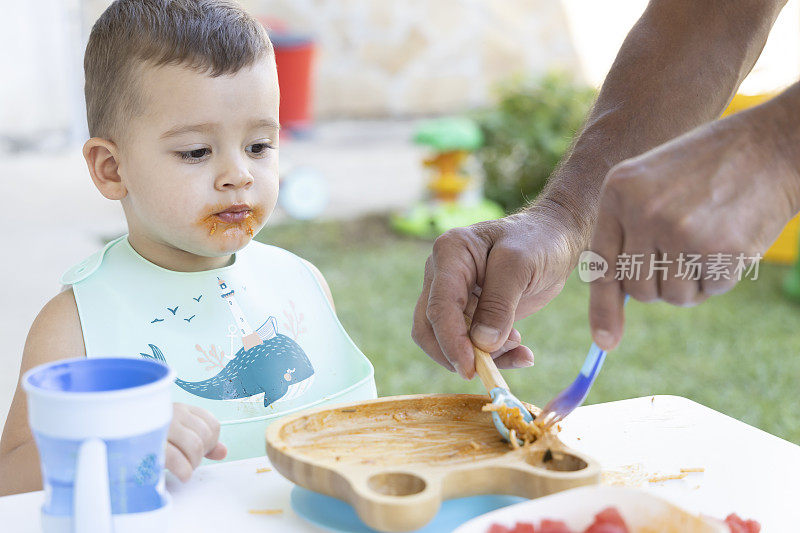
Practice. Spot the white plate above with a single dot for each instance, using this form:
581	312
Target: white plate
577	508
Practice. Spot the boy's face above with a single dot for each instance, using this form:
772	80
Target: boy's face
202	146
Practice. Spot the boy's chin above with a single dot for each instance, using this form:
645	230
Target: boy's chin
223	246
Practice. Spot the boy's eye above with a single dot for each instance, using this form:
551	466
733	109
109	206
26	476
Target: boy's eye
196	154
258	149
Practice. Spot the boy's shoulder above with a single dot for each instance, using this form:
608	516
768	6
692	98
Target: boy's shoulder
56	332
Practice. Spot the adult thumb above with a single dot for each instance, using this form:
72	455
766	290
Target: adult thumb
497	304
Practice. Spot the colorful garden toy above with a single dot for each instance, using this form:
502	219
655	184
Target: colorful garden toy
452	140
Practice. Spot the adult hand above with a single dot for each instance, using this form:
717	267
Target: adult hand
496	272
193	434
726	188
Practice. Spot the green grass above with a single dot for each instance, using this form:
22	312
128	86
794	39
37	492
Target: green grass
738	353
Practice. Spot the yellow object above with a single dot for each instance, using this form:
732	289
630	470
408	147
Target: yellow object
743	101
784	249
449	182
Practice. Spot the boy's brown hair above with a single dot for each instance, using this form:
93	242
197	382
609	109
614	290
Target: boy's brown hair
214	36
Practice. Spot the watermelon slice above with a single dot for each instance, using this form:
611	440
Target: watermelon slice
739	525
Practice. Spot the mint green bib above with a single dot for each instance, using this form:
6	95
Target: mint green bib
249	342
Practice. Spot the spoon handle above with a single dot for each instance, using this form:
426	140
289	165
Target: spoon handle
485	367
487	370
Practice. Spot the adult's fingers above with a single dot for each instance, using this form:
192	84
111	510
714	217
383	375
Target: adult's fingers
422	333
453	277
421	330
507	276
514	340
606	297
637	268
606	316
447	321
519	357
719	276
681	283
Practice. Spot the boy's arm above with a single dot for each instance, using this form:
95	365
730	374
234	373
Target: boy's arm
55	334
322	282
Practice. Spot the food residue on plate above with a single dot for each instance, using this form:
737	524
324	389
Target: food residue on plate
634	475
666	477
423	431
527	432
429	431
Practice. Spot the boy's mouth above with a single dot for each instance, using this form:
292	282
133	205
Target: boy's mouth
232	220
234	214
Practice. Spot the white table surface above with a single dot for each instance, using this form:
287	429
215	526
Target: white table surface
747	471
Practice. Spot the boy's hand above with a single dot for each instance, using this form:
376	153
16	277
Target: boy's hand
193	434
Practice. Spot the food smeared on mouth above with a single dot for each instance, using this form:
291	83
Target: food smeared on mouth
227	219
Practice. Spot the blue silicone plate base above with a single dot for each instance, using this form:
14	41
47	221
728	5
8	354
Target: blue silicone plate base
336	515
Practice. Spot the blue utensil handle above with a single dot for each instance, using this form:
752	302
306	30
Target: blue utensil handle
594	361
573	396
591	367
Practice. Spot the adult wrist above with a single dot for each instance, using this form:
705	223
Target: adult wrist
573	193
775	126
558	217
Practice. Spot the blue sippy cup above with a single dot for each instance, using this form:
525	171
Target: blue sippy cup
101	426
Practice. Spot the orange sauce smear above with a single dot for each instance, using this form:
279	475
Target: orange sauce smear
215	225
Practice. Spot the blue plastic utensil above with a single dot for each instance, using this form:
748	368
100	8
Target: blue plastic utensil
497	388
573	396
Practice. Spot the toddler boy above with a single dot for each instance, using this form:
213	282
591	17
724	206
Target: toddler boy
182	104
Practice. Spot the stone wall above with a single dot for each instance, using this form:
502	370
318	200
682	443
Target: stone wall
411	57
376	58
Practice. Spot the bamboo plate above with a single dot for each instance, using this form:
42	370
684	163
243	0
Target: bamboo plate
395	459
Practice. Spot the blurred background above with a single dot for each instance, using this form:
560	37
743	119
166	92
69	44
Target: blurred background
403	119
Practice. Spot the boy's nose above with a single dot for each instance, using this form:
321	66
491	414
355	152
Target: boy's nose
235	176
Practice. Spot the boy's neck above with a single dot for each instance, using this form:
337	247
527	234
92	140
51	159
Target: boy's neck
172	258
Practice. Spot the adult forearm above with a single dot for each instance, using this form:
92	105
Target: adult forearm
677	69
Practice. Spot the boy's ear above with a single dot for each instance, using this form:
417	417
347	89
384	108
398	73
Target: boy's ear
101	158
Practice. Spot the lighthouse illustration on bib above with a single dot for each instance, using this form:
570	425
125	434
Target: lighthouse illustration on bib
268	363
